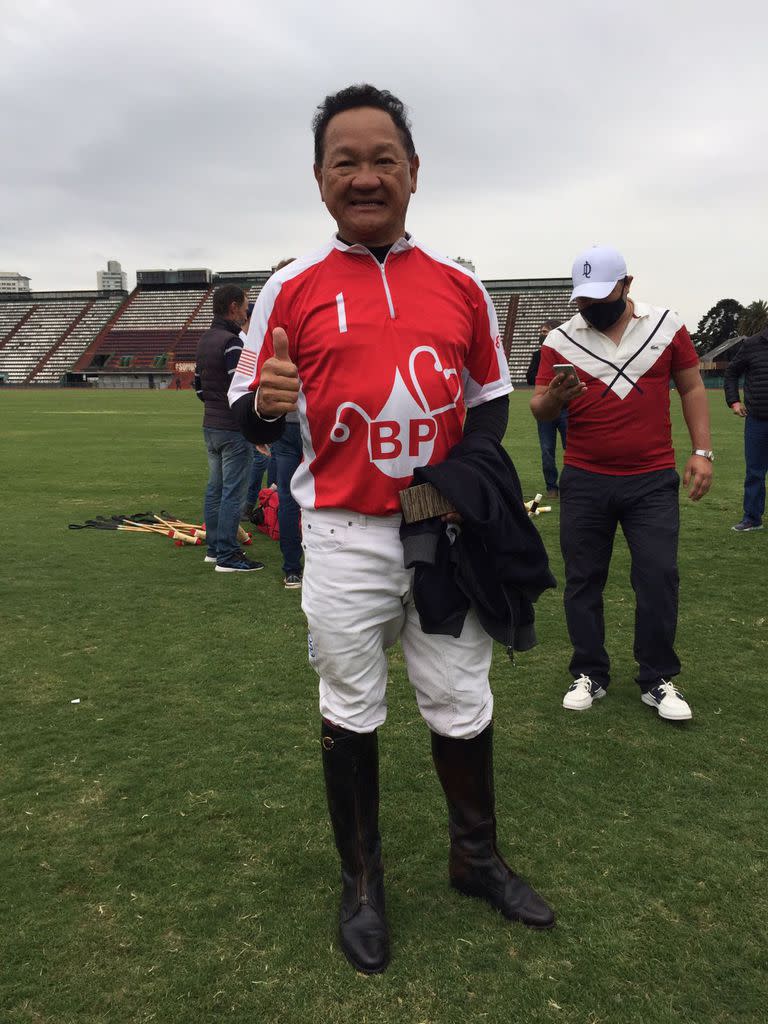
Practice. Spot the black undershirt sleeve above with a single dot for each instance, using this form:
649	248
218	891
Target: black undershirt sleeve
490	418
253	427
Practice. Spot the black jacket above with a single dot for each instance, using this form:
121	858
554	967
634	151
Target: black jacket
533	367
752	361
496	562
217	354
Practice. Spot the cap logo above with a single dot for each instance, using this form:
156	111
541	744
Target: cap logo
587	269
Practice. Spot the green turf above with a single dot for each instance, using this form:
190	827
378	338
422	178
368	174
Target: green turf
165	852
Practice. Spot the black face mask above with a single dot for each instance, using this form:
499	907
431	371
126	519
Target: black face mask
603	315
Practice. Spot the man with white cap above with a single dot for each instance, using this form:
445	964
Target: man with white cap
612	364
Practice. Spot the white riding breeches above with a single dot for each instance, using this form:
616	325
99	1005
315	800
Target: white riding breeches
358	601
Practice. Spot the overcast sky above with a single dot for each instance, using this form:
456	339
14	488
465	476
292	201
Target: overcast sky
171	134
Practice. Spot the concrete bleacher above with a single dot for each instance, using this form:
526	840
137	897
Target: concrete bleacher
64	357
187	344
11	315
150	327
158	330
160	309
39	333
538	299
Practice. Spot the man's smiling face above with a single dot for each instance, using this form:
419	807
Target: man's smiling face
366	178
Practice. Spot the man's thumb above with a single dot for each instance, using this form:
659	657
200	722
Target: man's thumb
280	343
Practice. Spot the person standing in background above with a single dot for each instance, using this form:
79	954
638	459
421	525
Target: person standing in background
548	430
229	453
751	362
620	470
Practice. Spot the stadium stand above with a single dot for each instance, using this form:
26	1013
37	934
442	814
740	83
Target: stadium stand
149	328
521	306
12	316
156	332
63	356
42	334
149	338
39	333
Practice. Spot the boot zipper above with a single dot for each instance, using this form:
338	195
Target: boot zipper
362	881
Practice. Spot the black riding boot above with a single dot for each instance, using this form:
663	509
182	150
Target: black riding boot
351	767
465	769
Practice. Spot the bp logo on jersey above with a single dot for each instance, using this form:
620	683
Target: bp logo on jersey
402	435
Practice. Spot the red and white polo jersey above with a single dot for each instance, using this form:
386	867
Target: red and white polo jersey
621	424
389	356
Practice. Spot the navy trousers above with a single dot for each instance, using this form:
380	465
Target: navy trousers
646	507
756	458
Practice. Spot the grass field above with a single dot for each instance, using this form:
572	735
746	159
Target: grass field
165	850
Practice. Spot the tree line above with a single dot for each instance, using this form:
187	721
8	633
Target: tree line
728	319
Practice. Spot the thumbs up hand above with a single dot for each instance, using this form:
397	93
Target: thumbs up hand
279	380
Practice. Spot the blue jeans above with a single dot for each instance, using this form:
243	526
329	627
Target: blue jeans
756	458
229	463
548	442
287	453
260	464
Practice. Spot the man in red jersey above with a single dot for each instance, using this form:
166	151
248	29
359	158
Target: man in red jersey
390	354
620	469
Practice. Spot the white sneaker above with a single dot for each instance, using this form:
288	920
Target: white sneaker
581	693
668	701
210	558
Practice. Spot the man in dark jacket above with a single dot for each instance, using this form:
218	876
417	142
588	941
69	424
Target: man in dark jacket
548	431
751	361
229	454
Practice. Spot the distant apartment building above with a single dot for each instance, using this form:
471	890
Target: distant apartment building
113	279
13	282
467	264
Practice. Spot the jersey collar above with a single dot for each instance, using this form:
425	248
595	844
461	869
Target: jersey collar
406	242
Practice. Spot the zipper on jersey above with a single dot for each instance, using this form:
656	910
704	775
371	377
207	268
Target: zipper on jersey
384	281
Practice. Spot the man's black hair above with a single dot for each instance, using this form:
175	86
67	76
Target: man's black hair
224	297
551	324
363	95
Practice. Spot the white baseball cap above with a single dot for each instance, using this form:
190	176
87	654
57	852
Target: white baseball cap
596	271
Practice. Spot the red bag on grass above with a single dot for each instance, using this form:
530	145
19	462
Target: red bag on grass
268	505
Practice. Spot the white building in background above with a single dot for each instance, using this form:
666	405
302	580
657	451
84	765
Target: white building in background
467	264
13	282
113	279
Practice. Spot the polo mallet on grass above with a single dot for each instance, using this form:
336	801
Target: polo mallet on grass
199	531
123	523
177	535
534	508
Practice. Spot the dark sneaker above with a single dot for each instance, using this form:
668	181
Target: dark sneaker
553	492
238	563
581	693
746	525
668	701
292	581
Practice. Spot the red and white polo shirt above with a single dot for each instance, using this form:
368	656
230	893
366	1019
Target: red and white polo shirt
621	424
389	356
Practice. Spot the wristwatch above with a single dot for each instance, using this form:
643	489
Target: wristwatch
704	454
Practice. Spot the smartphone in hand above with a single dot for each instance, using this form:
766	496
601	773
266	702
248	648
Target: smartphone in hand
568	369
